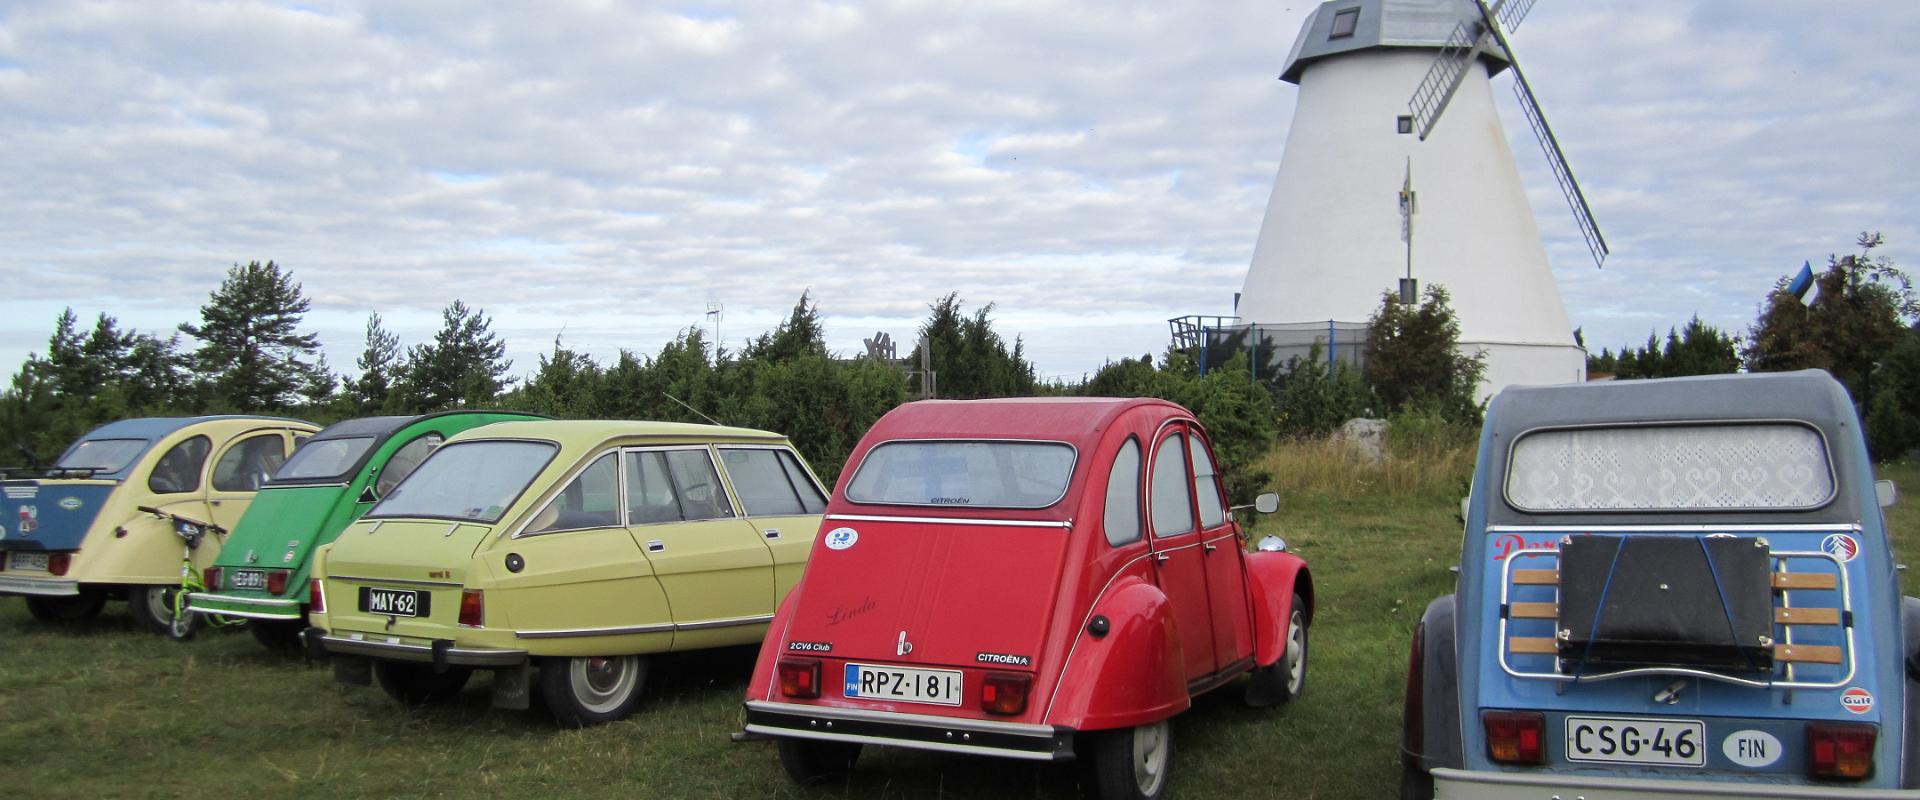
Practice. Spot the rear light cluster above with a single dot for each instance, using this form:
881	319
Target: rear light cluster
211	577
1840	750
1515	737
1005	693
799	677
473	608
316	600
58	563
277	581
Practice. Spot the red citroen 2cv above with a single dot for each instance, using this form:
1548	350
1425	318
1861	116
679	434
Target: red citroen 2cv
1035	578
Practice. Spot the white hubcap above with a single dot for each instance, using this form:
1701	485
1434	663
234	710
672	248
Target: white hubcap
1150	757
602	683
1296	652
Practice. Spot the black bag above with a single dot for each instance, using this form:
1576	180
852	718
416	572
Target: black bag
1666	600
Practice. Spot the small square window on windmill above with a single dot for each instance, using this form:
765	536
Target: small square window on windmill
1344	22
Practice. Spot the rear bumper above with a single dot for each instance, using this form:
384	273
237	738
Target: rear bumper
441	651
1454	784
40	586
917	731
228	605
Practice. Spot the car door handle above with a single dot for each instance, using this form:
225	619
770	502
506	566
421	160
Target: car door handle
772	533
1211	548
655	545
1162	556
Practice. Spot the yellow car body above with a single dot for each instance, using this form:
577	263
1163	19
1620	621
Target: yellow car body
571	546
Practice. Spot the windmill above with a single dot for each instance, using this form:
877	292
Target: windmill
1333	240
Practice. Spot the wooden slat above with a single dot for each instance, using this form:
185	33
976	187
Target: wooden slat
1803	580
1807	653
1536	577
1533	645
1807	616
1533	610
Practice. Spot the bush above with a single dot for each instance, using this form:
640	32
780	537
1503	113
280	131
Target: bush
1314	400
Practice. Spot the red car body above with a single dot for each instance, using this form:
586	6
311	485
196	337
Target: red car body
1026	603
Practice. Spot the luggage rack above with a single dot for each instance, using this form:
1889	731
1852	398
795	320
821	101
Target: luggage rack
1786	617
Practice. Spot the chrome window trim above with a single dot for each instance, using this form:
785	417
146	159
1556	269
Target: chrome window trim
1017	523
1822	526
1072	466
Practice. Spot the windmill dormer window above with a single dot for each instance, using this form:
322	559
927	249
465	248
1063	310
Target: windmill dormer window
1344	22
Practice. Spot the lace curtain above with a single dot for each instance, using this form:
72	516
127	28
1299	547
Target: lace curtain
1670	468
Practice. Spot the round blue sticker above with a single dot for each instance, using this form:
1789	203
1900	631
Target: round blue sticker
842	538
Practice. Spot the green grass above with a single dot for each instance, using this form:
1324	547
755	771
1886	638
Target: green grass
102	710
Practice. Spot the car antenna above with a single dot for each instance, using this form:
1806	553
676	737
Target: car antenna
683	404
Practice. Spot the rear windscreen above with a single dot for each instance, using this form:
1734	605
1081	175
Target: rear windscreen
324	458
993	474
1756	466
468	481
104	455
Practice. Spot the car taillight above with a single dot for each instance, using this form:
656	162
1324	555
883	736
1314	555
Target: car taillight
211	577
1513	737
1840	750
1005	692
316	600
276	581
473	608
59	562
800	677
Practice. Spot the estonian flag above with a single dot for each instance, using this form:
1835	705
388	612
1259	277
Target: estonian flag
1802	282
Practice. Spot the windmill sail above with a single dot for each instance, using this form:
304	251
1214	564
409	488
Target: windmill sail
1444	77
1562	173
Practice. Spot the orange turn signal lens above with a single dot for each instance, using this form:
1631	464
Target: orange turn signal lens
1514	737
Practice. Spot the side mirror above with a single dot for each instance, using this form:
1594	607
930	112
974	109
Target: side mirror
1887	493
368	495
1267	503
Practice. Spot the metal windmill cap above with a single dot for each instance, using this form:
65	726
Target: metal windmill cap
1381	23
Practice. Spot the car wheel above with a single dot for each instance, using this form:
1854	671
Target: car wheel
152	608
418	684
69	608
1132	763
280	636
592	690
1415	783
1281	682
811	762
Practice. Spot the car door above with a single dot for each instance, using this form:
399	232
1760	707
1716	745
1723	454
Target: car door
1179	560
1226	571
782	501
246	462
715	567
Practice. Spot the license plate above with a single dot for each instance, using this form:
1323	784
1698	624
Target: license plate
248	579
30	561
905	684
1616	740
393	602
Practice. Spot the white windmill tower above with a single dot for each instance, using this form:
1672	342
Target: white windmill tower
1330	244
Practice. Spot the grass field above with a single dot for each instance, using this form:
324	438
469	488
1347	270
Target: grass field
102	710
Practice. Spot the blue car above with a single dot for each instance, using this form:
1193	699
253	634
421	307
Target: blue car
1670	588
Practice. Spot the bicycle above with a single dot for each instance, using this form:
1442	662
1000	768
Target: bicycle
192	532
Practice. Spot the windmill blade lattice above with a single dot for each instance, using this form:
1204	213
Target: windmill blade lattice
1448	70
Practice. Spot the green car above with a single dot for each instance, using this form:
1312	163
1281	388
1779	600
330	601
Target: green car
328	483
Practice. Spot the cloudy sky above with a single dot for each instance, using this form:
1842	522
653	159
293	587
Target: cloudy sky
605	171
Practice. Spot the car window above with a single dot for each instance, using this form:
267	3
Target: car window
324	458
1670	468
474	480
405	461
673	486
698	485
993	474
770	482
1172	507
1206	485
244	466
105	455
1122	520
179	469
588	501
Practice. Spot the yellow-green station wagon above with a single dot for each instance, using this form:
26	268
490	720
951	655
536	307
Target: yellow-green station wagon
565	552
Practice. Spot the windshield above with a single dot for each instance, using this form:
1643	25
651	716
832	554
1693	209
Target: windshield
105	455
992	474
1671	468
467	481
324	458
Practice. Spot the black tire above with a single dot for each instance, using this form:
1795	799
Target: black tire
69	608
592	690
417	684
1282	682
152	608
1133	763
810	762
280	636
1415	783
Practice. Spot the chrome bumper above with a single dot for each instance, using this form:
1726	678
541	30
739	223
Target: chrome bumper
261	608
1455	784
441	651
917	731
39	586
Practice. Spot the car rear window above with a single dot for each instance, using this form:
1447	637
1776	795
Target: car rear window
475	481
324	458
1753	466
104	455
990	474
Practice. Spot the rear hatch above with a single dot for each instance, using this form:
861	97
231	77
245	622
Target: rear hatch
951	598
279	530
49	514
1819	661
400	576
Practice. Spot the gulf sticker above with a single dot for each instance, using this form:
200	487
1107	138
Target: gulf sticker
842	538
1840	546
1857	700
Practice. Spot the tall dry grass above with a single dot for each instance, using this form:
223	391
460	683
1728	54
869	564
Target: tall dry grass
1424	468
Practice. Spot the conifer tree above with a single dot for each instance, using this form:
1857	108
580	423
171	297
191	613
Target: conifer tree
252	356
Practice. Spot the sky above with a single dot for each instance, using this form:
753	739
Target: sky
604	173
